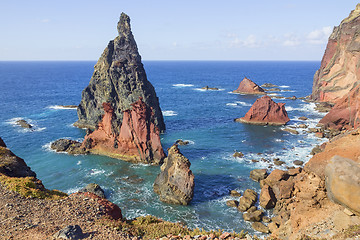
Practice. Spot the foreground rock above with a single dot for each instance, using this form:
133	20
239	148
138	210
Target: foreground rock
339	71
119	79
247	200
11	165
137	140
247	86
70	232
175	183
266	112
95	189
343	182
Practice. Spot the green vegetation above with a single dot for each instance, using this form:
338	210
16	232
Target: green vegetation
30	187
150	227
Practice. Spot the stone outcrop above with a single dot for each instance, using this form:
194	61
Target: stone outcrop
266	112
175	183
24	124
247	86
94	188
339	69
247	200
343	182
69	146
11	165
119	79
137	140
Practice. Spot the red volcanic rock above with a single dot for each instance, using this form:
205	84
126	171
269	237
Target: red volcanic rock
108	207
339	69
247	86
137	140
346	112
266	112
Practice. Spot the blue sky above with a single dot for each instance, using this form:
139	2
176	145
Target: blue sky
171	30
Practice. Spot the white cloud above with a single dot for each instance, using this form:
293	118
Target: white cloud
319	36
291	40
250	41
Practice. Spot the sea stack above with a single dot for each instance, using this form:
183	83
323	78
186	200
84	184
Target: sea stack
337	80
137	140
247	86
175	183
119	79
120	106
266	112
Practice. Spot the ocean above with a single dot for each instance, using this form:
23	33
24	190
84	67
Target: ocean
34	90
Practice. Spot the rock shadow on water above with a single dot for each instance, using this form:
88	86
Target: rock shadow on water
209	187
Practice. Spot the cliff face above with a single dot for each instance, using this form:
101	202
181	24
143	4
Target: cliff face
339	69
137	140
266	112
119	78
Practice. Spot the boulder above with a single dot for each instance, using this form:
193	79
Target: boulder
238	154
298	162
119	79
235	193
342	181
94	188
303	118
11	165
232	203
290	130
247	200
247	86
69	146
210	88
182	142
283	189
175	183
258	174
70	232
267	197
137	140
276	176
260	227
255	216
24	124
266	112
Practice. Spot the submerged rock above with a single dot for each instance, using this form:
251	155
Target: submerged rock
175	183
24	124
247	86
269	85
182	142
119	79
266	112
210	88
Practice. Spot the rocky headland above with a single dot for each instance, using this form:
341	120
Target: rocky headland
266	112
247	86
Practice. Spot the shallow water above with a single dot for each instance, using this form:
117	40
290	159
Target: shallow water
34	90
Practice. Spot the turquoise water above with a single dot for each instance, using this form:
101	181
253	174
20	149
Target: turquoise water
32	91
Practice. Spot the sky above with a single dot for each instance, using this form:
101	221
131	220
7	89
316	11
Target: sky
170	29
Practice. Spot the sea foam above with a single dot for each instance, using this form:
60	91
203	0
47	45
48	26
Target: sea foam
169	113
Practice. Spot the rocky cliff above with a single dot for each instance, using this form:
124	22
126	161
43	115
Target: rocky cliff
339	69
119	79
175	183
137	140
266	112
247	86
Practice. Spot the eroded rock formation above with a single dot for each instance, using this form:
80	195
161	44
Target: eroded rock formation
137	140
175	183
247	86
339	69
266	112
119	79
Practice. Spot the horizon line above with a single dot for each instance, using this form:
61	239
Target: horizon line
167	60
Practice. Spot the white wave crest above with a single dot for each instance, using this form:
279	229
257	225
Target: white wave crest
284	86
183	85
169	113
58	107
243	104
231	104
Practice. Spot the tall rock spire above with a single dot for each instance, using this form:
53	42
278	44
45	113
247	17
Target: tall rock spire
119	79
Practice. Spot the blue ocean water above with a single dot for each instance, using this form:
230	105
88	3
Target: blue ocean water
33	91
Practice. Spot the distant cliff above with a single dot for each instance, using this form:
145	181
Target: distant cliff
119	79
339	69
